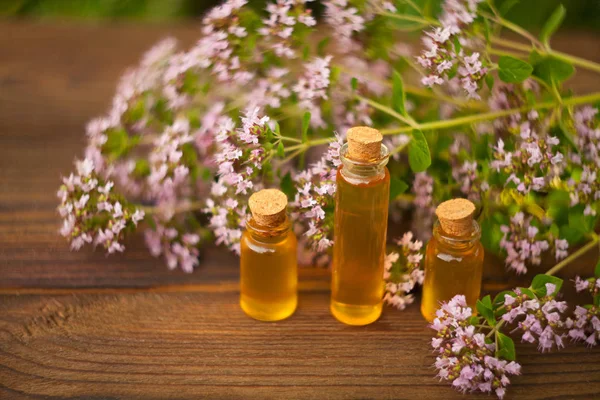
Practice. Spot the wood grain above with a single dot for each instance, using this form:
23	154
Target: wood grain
86	326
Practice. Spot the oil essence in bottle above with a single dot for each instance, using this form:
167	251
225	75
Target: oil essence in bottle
454	257
268	267
361	214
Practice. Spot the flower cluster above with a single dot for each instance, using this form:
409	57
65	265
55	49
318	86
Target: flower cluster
586	190
465	358
403	271
312	88
279	26
585	324
90	211
315	188
168	172
344	21
543	321
239	158
588	133
506	96
521	243
422	221
444	56
534	162
178	249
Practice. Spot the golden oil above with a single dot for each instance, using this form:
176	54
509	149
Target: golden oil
268	266
361	214
453	259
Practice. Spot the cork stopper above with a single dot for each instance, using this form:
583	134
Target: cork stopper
268	207
364	143
456	216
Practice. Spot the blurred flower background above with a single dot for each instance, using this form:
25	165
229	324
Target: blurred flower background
531	14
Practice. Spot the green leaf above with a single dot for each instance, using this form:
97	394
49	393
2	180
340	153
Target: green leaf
280	150
506	347
513	70
149	219
597	300
457	45
528	292
550	69
117	142
579	221
499	299
137	111
190	159
305	126
419	157
397	187
142	168
507	5
539	284
321	46
597	270
398	95
354	83
287	186
552	24
573	235
484	308
489	81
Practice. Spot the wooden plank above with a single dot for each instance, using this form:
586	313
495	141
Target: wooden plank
200	344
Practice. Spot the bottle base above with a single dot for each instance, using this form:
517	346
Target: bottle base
351	314
268	311
429	316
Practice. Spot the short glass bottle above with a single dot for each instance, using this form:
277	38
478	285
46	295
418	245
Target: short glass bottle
268	269
453	265
360	227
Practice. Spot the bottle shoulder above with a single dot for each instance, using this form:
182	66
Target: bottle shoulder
249	243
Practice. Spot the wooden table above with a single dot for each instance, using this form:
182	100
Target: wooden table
83	325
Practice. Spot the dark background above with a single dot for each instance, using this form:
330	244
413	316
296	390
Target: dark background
581	14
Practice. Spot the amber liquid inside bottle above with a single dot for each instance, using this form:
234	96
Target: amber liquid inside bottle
453	265
269	272
361	214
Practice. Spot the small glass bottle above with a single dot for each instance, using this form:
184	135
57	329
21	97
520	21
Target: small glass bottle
360	227
268	267
453	259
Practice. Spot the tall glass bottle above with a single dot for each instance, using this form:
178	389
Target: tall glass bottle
268	266
453	259
361	214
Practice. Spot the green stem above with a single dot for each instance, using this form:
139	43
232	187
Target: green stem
469	119
581	62
574	256
310	143
289	139
378	106
414	6
577	61
410	18
515	28
417	91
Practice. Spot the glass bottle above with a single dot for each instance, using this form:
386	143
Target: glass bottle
268	266
453	259
360	226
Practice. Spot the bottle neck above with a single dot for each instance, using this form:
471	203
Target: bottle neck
457	243
360	171
268	234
